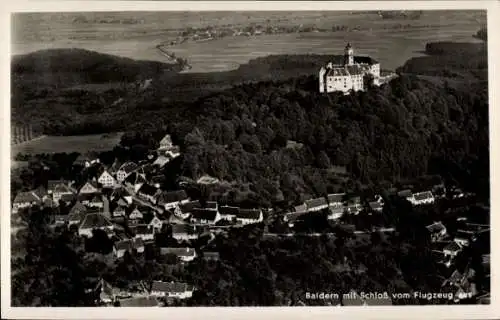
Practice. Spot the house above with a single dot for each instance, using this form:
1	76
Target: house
249	216
172	199
316	204
183	254
155	224
204	216
336	212
148	192
179	290
437	231
106	179
336	199
452	249
25	200
128	245
52	184
86	160
77	213
300	208
93	221
144	232
228	213
89	187
139	301
125	170
61	192
119	212
421	198
184	232
166	143
135	215
211	256
376	206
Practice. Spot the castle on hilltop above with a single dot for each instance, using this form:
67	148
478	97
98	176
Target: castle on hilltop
349	73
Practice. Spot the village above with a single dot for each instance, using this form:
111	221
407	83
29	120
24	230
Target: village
127	203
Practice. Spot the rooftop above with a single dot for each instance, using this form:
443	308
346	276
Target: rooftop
336	197
318	202
95	220
249	214
205	214
420	196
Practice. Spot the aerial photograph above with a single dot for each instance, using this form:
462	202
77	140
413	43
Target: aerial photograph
249	158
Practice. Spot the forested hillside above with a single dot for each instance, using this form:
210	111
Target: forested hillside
406	129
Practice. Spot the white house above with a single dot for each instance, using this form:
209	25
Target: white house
316	204
249	216
179	290
25	200
336	199
156	224
106	179
89	187
228	213
205	216
420	198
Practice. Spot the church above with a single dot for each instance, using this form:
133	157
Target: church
348	73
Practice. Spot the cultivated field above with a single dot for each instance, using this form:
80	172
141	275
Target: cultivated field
135	35
68	144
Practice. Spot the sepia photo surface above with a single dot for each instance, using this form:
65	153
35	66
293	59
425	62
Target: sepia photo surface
249	159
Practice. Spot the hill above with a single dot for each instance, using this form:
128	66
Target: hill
67	67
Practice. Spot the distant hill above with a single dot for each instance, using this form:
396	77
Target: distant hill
68	67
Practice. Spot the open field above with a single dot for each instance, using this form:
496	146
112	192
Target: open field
68	144
382	39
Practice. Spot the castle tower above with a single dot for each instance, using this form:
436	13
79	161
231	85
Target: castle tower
348	55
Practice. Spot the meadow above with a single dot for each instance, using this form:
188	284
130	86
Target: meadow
68	144
383	39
